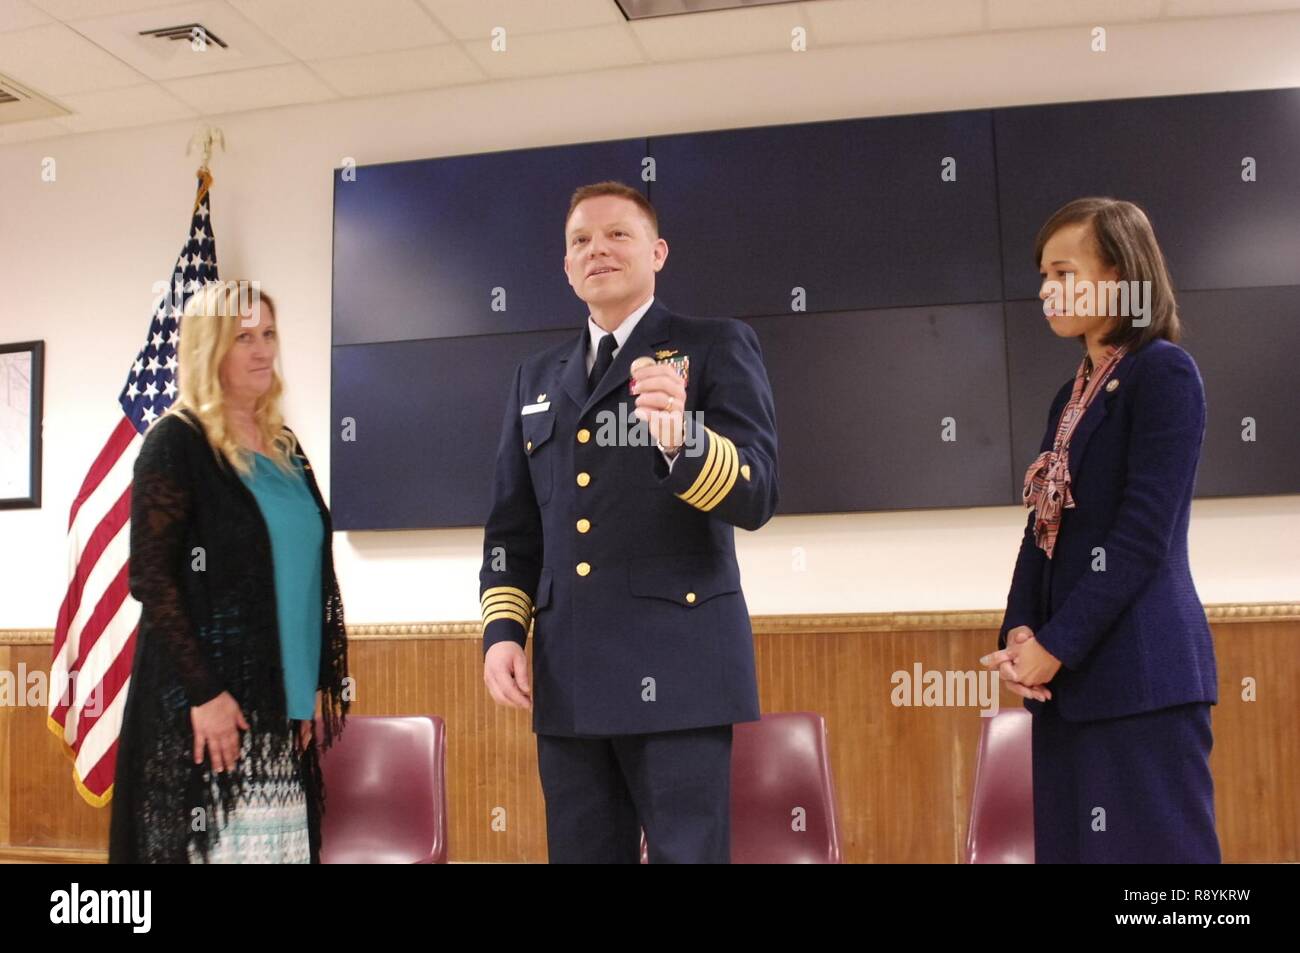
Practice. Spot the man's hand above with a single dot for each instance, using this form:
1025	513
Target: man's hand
661	398
1003	662
505	672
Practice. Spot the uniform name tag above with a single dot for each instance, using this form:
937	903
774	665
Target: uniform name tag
535	408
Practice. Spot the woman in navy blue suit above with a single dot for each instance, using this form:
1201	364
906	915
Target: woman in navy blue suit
1104	633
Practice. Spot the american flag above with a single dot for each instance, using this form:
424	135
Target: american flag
94	641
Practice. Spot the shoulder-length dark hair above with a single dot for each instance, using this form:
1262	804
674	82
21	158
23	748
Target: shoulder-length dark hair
1126	242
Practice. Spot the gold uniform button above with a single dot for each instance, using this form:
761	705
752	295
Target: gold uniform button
584	435
584	568
690	597
584	525
584	478
529	446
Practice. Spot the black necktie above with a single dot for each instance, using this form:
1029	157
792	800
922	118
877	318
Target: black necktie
604	358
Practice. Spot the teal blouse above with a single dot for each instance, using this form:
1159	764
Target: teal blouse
297	534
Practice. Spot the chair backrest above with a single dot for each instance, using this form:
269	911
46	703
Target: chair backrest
1002	808
386	792
783	808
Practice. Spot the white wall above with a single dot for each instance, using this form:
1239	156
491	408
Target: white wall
78	258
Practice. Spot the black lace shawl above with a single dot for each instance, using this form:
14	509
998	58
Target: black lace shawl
200	564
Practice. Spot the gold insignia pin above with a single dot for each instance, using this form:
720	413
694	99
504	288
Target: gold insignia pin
1112	386
660	355
541	397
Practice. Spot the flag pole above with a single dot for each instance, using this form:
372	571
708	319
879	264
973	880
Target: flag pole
206	138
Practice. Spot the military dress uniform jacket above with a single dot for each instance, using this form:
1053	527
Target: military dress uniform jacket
627	570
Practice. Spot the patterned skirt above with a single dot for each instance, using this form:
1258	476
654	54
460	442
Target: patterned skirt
268	824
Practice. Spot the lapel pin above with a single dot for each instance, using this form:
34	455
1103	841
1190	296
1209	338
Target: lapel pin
541	397
1112	386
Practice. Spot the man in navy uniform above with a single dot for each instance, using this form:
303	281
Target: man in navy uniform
613	504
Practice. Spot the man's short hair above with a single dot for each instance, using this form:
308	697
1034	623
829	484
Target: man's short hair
611	187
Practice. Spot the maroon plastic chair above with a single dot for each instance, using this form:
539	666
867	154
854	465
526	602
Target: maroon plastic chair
386	792
783	807
1002	809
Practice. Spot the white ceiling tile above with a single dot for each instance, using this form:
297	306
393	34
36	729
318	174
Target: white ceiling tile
250	89
1023	14
19	15
54	60
314	29
832	22
720	33
77	9
247	46
569	51
378	73
26	131
133	106
475	19
1224	8
28	106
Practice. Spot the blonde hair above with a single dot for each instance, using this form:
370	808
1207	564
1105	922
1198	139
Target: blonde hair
211	321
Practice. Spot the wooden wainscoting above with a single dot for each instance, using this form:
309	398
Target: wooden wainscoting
903	775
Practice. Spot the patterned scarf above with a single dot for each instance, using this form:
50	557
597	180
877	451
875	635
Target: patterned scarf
1047	481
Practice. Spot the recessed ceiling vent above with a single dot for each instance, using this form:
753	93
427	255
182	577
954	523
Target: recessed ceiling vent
20	104
185	31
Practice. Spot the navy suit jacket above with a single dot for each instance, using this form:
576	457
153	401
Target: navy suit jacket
628	571
1131	637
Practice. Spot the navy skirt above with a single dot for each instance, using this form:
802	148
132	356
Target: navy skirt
1135	789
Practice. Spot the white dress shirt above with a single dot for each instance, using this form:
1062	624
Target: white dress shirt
595	332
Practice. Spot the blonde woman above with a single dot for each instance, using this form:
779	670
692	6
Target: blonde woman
241	642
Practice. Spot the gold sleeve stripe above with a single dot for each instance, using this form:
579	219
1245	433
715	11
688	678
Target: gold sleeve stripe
714	474
733	470
718	475
506	590
506	598
506	609
505	614
707	473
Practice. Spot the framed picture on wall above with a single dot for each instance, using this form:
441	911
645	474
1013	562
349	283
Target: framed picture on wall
21	374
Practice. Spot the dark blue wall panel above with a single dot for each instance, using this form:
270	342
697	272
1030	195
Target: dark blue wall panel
861	398
1245	342
420	246
854	212
1180	158
428	417
919	292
